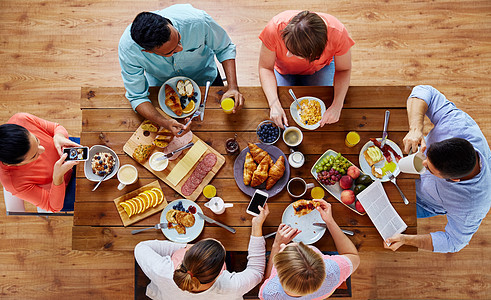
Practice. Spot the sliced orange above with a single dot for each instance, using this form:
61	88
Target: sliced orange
132	203
147	198
141	204
189	108
161	196
127	208
152	197
155	196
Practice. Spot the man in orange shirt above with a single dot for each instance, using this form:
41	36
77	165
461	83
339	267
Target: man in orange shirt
304	48
33	164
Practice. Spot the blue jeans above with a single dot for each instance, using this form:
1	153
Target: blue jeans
323	77
421	212
68	203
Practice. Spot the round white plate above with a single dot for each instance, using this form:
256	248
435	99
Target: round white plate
368	170
191	232
310	233
172	82
296	116
88	163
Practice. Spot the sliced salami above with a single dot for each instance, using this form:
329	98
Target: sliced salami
202	169
210	160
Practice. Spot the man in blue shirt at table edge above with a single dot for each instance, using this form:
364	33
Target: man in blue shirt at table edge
176	41
457	181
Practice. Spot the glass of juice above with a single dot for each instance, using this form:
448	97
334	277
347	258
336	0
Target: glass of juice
317	193
228	105
209	191
352	138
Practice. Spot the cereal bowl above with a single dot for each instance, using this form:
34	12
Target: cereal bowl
267	132
89	174
295	112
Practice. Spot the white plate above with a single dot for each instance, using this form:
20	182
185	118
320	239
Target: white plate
368	170
172	82
191	232
310	233
296	116
88	163
335	190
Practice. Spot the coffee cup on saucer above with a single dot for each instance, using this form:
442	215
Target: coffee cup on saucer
292	136
297	187
127	175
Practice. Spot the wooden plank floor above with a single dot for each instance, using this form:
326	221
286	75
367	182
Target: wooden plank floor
52	48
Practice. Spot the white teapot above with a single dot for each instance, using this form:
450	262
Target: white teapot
217	205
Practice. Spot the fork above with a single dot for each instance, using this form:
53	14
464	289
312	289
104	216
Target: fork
158	226
392	179
195	114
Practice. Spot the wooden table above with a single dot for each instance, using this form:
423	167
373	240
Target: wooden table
108	119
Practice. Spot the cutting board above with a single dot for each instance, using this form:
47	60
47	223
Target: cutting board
138	138
150	211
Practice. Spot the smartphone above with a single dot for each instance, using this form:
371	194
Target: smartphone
77	153
258	199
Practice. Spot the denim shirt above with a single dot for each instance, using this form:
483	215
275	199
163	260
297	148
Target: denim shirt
465	203
201	38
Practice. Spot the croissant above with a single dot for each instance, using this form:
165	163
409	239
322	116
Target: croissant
257	153
261	174
249	168
172	100
276	172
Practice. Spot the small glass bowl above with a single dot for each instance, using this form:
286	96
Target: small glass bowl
274	125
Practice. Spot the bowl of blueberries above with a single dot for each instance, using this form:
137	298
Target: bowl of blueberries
268	132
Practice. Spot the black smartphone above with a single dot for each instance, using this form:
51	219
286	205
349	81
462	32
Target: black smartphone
258	199
77	153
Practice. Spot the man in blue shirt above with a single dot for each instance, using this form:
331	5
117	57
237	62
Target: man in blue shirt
176	41
457	181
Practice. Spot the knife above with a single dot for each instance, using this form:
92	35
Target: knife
270	234
202	105
210	220
348	232
166	156
384	134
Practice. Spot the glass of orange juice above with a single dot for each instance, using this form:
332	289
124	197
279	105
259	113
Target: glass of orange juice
317	193
228	105
352	138
209	191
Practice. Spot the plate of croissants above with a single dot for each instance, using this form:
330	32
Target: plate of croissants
261	166
176	95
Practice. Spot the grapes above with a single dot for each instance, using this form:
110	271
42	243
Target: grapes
331	168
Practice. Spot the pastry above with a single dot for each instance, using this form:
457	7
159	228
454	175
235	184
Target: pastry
162	141
373	155
275	172
257	153
170	216
261	173
303	207
149	126
142	152
185	219
249	168
172	100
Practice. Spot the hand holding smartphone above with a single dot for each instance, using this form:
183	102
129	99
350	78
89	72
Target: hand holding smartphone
77	153
258	199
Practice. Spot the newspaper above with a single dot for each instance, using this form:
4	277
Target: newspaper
380	210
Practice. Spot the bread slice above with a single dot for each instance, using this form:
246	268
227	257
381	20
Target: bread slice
142	152
149	126
373	155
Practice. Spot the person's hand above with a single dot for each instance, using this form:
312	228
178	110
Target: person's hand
175	127
331	115
285	234
395	242
277	114
61	167
259	220
325	210
60	142
237	96
412	140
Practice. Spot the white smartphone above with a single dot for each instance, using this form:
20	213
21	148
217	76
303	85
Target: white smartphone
258	199
77	153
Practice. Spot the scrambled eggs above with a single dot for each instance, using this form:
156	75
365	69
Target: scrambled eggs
310	112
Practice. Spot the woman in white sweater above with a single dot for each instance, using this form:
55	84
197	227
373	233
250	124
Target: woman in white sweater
197	271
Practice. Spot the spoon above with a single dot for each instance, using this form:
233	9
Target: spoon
102	179
294	97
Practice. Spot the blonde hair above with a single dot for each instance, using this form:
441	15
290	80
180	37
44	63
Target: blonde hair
300	269
306	35
202	264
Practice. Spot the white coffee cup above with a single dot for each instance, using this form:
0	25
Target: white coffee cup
127	175
296	159
292	136
297	187
217	205
412	164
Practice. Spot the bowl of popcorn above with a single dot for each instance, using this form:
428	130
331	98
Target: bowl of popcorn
102	160
309	114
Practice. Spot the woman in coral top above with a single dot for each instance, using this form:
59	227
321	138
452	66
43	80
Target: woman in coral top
33	165
305	48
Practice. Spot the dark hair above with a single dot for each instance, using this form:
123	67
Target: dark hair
306	35
202	264
454	158
150	30
14	141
